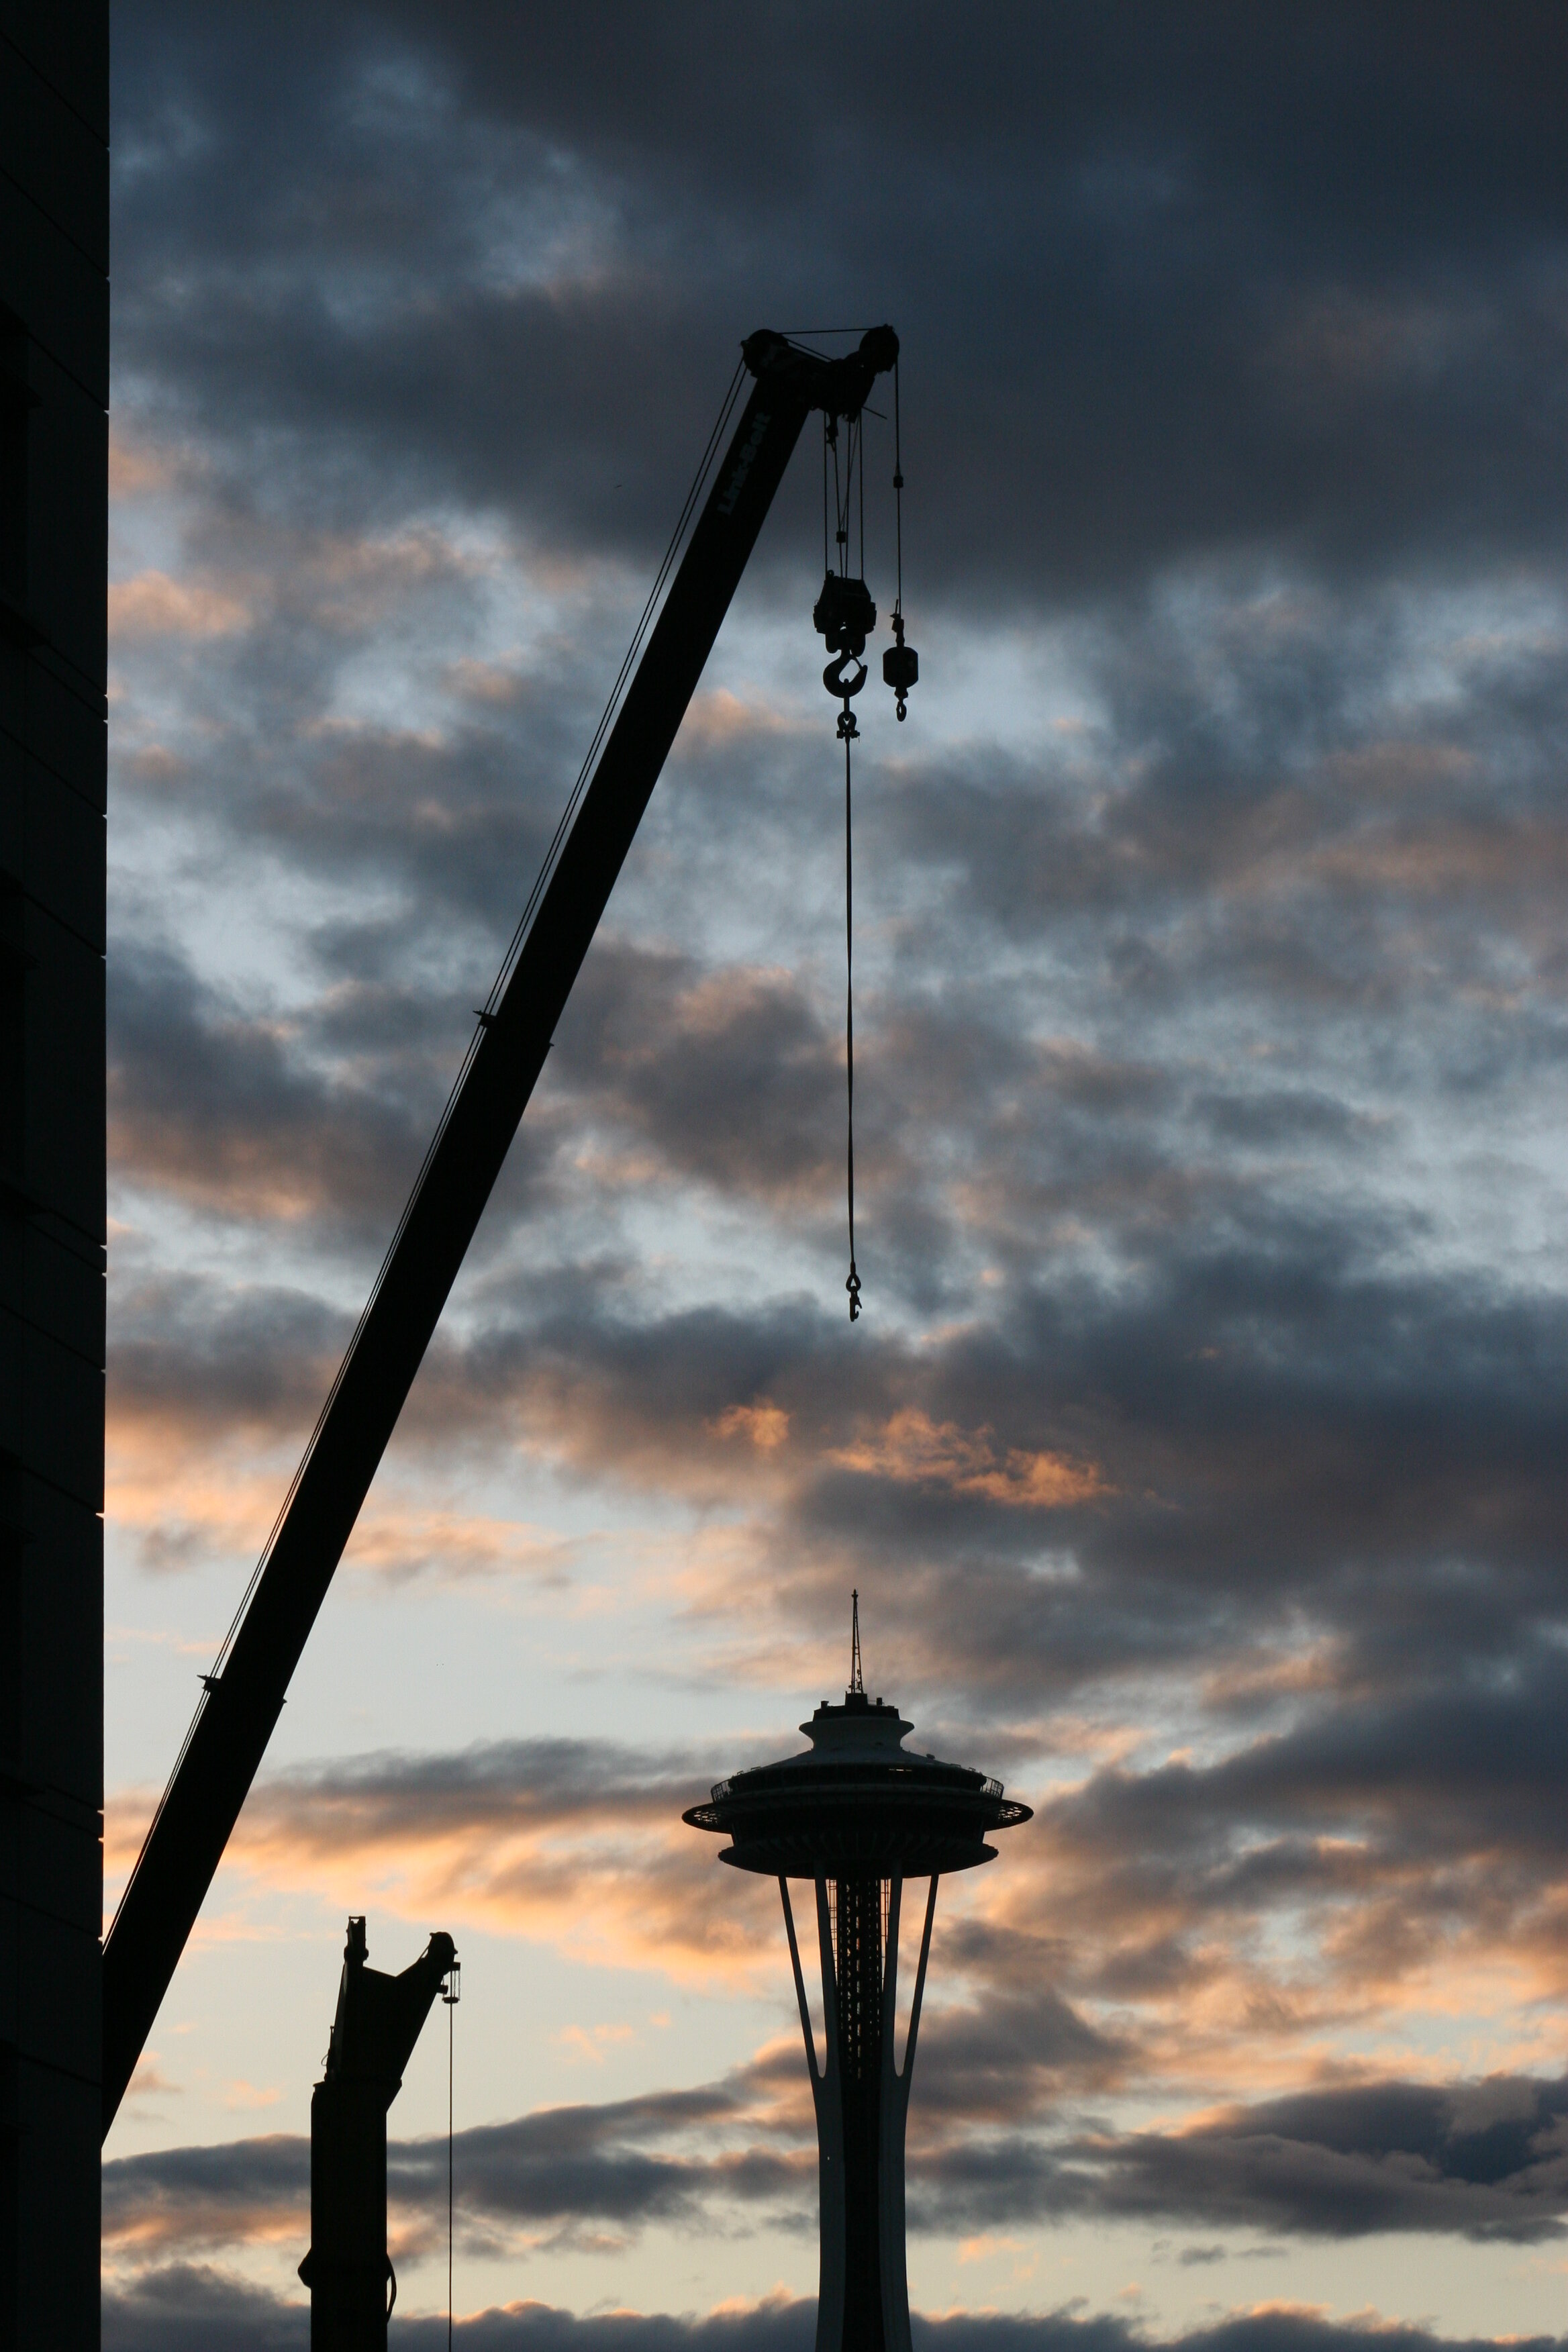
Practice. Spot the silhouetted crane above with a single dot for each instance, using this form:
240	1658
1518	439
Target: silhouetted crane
243	1697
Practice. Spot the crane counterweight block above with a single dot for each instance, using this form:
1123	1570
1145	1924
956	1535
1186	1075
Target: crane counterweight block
241	1705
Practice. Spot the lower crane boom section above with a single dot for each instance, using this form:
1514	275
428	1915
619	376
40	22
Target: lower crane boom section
242	1703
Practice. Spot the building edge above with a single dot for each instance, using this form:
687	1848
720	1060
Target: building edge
53	390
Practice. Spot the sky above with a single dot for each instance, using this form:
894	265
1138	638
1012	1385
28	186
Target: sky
1199	1456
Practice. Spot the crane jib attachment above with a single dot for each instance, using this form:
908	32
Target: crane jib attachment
242	1703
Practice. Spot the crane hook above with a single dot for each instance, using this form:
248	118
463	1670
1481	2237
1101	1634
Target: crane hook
833	679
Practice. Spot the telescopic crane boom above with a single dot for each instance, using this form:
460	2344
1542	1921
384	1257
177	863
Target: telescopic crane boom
242	1703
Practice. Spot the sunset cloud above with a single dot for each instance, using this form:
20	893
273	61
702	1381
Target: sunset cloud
912	1448
168	2308
153	605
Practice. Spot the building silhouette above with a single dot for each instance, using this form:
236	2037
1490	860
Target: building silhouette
54	397
859	1814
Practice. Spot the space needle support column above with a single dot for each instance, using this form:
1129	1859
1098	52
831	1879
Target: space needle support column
828	2097
815	2070
895	2090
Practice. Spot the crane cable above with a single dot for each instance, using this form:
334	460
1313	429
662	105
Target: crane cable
902	682
852	1284
843	614
841	622
451	1993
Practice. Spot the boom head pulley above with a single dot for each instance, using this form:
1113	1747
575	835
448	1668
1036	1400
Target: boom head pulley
837	386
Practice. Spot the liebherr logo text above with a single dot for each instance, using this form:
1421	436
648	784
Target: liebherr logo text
743	464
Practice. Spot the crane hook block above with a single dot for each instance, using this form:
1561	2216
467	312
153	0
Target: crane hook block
843	614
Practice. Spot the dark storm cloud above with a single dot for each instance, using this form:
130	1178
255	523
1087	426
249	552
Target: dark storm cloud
499	1781
1260	808
1269	1426
1467	1768
185	2306
1282	1114
584	2165
1489	2159
205	2197
223	1109
455	819
733	1078
1403	1826
181	2308
1165	285
199	1357
553	1839
1485	2161
556	2169
1011	2057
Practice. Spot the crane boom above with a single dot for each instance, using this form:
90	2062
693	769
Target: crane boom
242	1703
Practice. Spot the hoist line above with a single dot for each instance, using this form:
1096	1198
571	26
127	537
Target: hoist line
852	1284
514	949
451	2022
848	487
897	500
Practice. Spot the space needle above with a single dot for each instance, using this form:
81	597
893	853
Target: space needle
857	1813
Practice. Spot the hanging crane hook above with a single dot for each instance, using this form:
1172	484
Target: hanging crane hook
846	615
833	679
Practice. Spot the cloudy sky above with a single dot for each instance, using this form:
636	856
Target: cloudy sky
1200	1453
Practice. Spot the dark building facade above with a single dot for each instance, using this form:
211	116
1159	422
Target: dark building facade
54	396
858	1814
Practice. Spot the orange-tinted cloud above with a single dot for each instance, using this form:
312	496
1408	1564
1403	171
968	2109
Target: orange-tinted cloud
154	605
913	1449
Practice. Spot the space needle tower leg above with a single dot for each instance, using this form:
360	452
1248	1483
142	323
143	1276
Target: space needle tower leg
826	2081
895	2106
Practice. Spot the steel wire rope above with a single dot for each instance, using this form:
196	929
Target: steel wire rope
508	963
449	1995
852	1284
840	533
846	489
898	499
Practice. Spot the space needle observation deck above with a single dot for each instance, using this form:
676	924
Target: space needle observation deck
857	1813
